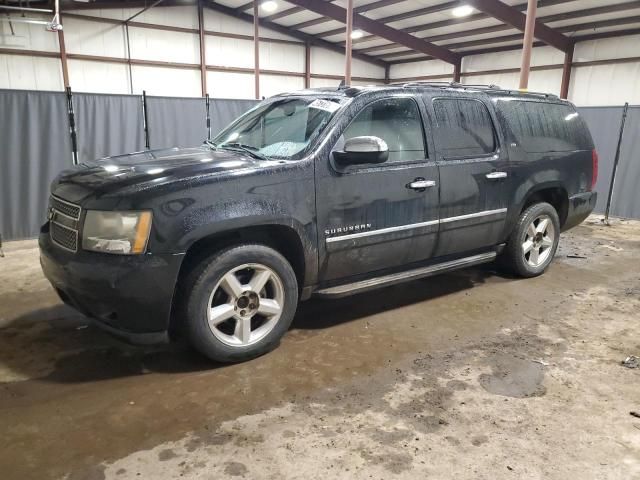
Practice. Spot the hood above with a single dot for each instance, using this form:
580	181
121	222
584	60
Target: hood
142	170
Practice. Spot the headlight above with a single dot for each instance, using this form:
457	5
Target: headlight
125	233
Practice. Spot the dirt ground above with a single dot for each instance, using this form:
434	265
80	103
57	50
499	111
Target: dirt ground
471	375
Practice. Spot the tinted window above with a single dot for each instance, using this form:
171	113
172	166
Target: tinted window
463	127
396	121
545	127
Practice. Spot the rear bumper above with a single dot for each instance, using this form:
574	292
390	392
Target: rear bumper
580	207
129	296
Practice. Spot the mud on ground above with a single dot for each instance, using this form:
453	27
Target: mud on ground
471	375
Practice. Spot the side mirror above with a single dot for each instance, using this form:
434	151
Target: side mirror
359	150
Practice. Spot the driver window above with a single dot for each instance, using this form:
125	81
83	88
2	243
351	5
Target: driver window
396	121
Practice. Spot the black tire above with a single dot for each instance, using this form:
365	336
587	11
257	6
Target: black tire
514	256
197	290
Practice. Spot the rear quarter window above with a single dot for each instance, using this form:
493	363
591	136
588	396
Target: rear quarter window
544	127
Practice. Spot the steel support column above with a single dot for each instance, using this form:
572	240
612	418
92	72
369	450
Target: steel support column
63	57
347	51
307	65
527	43
203	61
256	48
566	73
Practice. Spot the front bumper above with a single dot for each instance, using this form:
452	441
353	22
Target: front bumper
580	207
129	296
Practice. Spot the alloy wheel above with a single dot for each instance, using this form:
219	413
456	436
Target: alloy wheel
538	242
245	305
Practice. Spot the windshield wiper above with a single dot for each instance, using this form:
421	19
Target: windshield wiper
210	144
252	151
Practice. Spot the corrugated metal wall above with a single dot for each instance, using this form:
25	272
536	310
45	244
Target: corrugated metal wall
35	144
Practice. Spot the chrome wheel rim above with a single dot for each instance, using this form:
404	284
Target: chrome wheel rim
538	241
245	305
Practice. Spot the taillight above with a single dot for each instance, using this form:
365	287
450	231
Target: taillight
594	165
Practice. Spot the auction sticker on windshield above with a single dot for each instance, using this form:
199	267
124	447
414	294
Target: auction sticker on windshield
326	105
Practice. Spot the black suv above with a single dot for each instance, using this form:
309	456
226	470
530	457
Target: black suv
322	193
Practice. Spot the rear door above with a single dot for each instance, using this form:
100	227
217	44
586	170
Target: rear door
373	217
473	174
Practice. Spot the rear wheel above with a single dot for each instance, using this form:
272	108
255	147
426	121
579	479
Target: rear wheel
534	240
239	302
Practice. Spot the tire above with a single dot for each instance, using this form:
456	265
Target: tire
545	241
216	310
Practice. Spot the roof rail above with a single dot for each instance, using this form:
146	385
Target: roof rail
446	84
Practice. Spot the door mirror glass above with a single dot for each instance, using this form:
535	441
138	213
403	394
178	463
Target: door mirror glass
364	149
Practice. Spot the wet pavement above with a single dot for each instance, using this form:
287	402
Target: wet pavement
467	375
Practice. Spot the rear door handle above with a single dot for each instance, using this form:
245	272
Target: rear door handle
421	184
496	175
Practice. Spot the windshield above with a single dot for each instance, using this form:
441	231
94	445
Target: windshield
282	129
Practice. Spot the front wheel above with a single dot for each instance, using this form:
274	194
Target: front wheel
534	240
239	302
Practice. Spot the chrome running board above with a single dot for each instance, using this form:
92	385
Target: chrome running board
393	278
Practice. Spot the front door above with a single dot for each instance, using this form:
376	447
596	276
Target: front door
473	175
373	217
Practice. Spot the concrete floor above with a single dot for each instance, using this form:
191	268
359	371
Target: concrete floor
469	375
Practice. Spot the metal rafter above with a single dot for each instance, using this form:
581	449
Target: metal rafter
422	27
515	18
512	38
361	9
338	13
619	7
292	33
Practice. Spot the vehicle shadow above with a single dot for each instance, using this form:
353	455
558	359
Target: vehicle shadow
58	345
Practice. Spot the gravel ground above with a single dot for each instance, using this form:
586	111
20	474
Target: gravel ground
470	375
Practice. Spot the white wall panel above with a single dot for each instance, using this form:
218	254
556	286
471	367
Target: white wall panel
170	82
164	46
607	48
324	82
328	62
278	56
98	77
30	73
606	85
230	85
94	38
274	84
28	36
229	52
498	60
418	69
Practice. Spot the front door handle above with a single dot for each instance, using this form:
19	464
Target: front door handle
496	175
421	184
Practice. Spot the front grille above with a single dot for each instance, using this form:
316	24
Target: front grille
66	208
65	219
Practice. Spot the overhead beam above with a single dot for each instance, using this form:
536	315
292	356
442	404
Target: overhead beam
516	19
607	9
361	9
380	29
292	33
425	27
110	4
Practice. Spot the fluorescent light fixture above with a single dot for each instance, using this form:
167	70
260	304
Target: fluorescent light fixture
462	11
269	6
357	34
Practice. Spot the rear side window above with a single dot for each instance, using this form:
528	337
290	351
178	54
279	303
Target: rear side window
545	127
463	127
397	121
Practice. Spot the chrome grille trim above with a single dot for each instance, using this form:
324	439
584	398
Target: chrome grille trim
68	237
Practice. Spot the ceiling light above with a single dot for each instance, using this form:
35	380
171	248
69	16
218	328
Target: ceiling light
462	11
356	34
269	6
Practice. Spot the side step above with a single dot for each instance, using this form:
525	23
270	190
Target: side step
392	279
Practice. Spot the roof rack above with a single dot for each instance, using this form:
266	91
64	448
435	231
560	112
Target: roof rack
446	84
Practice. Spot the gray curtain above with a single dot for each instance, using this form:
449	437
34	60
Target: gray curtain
224	111
604	123
107	125
176	122
34	147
